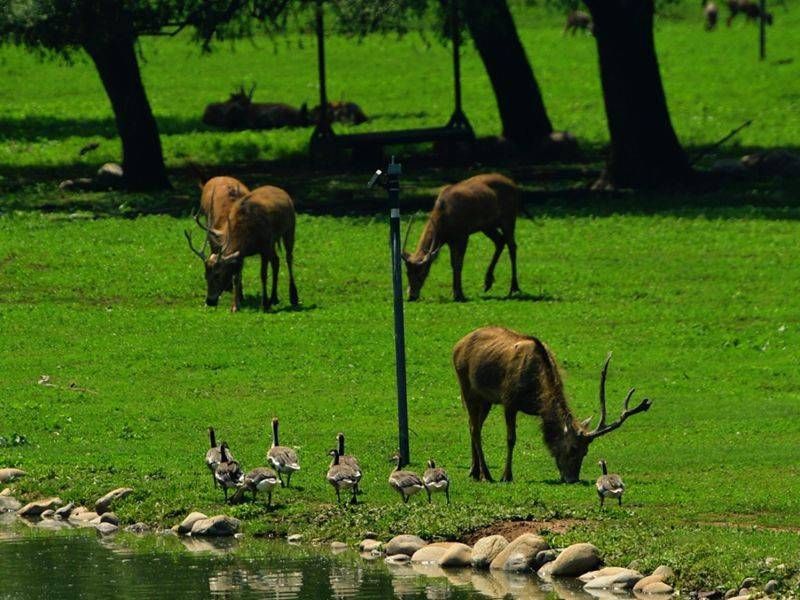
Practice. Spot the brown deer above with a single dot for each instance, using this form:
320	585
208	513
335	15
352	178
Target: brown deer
577	19
748	8
349	113
217	195
486	203
711	14
256	223
499	366
231	114
240	112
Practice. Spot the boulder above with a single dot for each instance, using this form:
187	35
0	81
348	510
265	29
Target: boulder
338	546
9	504
8	475
295	538
645	581
34	509
370	535
527	546
771	587
665	572
624	579
428	554
486	550
748	582
85	516
5	492
65	511
604	572
546	556
138	528
107	528
369	544
404	544
104	503
658	587
545	572
731	593
397	559
48	514
457	555
187	524
576	560
220	525
106	518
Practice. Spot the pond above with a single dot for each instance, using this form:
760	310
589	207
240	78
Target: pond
69	563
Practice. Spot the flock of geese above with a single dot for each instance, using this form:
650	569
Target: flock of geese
344	472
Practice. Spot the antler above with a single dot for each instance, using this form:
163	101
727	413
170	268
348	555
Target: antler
602	428
201	254
408	231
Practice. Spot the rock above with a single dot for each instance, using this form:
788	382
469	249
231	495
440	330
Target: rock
546	556
220	525
710	595
107	528
546	570
48	514
104	503
9	475
138	528
404	544
369	544
108	176
665	572
527	545
428	554
771	587
745	592
370	535
238	536
397	559
748	582
51	525
338	546
604	572
86	516
295	538
9	504
658	587
486	550
731	593
635	565
576	560
457	555
187	524
106	518
767	561
624	579
645	581
65	511
34	509
5	492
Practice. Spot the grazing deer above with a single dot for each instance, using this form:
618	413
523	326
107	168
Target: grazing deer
499	366
217	196
711	14
256	223
748	8
577	19
486	203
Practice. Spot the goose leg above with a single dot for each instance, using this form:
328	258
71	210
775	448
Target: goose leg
269	499
281	479
427	489
620	500
289	479
354	499
338	497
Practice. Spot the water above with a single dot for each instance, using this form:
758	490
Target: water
67	564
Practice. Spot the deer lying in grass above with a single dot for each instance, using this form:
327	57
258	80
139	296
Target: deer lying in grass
486	203
499	366
256	223
240	112
577	19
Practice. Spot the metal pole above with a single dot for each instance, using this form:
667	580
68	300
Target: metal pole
323	94
762	35
456	51
393	187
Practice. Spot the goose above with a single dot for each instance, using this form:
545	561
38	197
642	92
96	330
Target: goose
405	483
609	486
348	459
342	477
284	459
229	472
260	479
213	456
436	480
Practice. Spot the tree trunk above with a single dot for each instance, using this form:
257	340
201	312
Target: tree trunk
645	151
519	100
142	158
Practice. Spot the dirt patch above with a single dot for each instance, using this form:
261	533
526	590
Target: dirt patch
513	529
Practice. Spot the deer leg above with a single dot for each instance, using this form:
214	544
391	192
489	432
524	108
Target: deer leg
477	415
508	232
511	439
288	244
237	286
499	242
264	303
484	412
457	251
275	262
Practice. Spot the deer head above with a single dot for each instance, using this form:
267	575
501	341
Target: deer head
571	447
418	265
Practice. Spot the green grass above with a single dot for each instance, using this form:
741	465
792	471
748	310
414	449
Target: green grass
697	296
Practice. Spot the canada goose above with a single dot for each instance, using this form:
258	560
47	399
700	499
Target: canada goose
348	459
436	480
260	479
405	483
213	455
284	459
229	472
609	486
342	477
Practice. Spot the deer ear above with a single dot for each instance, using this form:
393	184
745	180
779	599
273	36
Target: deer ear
406	256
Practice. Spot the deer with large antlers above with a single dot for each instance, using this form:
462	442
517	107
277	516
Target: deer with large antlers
484	203
255	224
500	366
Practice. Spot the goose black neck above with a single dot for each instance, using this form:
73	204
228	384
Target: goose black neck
223	454
604	467
335	457
212	437
275	433
340	437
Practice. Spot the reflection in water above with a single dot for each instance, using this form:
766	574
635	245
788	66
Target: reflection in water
76	563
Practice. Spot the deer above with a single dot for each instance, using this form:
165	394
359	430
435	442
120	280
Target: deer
231	114
711	14
338	112
498	366
256	223
577	19
485	203
217	195
748	8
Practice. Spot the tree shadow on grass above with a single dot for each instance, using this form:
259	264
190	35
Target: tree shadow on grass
34	128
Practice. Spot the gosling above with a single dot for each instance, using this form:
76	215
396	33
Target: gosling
348	459
436	480
405	483
229	473
283	458
213	456
609	486
342	477
260	479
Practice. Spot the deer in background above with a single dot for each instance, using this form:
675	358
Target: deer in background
256	223
711	14
486	203
499	366
577	19
748	8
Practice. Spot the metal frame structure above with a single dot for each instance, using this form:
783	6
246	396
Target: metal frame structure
457	128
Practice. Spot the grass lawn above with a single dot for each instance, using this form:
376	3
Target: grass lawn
696	296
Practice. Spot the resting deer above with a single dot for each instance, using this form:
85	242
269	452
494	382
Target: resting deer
499	366
255	224
486	203
577	19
